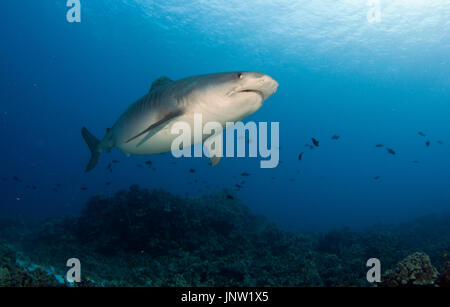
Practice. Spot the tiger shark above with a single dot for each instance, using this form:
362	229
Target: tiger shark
145	127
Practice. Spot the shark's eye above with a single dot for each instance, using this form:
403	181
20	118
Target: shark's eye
240	75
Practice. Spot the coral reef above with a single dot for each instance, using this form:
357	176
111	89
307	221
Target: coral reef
141	237
153	238
414	270
14	275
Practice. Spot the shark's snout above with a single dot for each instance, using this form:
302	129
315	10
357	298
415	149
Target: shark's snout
267	85
256	83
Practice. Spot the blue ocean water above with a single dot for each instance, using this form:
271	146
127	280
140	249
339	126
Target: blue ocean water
339	73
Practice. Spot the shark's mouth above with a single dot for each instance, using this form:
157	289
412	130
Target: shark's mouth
253	91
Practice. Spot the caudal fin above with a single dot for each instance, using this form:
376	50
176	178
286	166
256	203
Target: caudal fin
92	143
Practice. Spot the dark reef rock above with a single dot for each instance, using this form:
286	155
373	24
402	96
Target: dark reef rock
161	239
444	277
141	237
414	270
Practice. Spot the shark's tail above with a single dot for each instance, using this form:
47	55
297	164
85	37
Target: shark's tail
93	144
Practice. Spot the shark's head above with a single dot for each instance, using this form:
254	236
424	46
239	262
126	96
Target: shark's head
238	94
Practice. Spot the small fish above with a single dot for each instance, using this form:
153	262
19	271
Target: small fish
244	174
376	177
243	182
15	178
300	156
416	161
140	166
191	170
33	187
315	142
428	143
238	186
149	163
83	188
108	182
379	145
421	133
230	197
115	161
391	151
335	137
440	142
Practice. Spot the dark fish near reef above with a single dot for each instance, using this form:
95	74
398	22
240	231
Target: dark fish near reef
428	143
144	127
391	151
115	161
244	174
421	133
335	137
238	186
230	197
379	145
15	178
191	170
300	156
108	182
315	142
83	188
149	163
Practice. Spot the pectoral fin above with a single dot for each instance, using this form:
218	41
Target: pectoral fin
160	122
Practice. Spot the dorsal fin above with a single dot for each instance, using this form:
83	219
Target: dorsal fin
161	81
